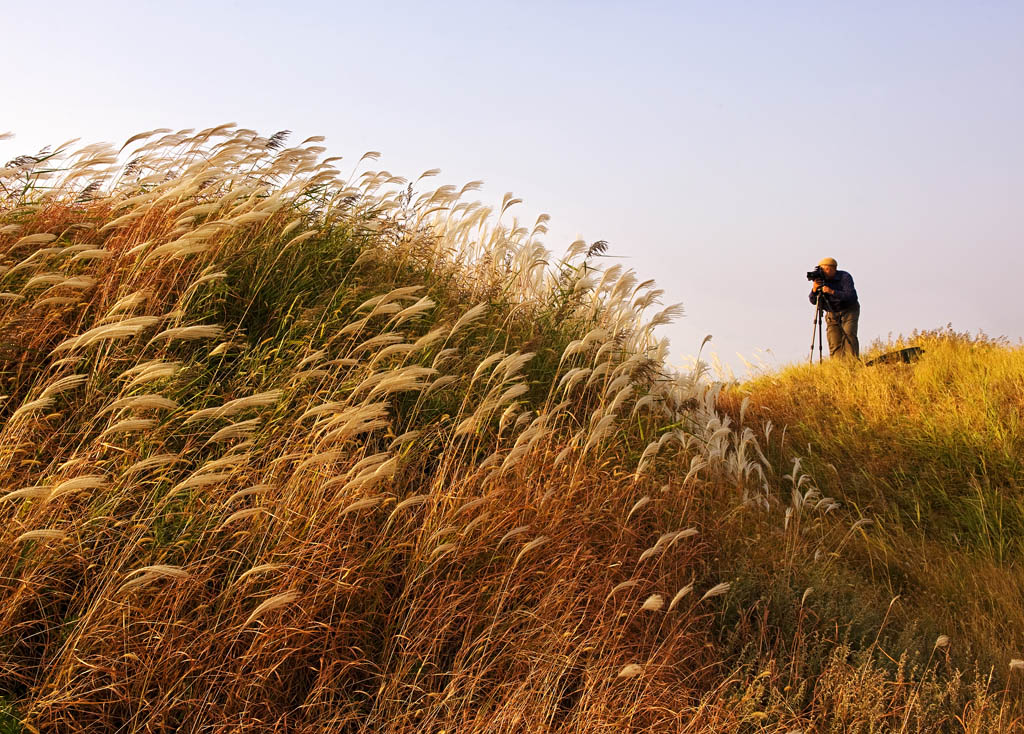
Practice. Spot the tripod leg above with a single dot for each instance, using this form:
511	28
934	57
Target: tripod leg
814	333
816	329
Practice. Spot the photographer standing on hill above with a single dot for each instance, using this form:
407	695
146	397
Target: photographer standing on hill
841	307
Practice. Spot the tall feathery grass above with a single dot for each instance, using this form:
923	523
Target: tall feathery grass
283	450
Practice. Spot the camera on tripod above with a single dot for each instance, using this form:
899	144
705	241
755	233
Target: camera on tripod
816	274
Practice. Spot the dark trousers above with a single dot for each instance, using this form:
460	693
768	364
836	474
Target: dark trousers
841	328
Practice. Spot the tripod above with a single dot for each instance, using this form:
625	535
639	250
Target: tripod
816	331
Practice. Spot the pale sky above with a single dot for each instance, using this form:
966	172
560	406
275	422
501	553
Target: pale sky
721	148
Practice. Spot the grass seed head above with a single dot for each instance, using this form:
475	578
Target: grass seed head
653	603
275	602
630	671
44	535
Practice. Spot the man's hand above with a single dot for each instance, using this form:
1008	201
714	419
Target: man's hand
816	286
827	290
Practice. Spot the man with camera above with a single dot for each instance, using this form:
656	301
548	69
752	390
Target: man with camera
834	293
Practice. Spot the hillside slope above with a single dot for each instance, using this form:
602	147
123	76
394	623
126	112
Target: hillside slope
930	453
287	452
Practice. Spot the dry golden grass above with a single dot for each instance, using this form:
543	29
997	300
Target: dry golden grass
285	452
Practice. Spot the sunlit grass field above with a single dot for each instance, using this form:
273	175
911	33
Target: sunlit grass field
930	454
284	448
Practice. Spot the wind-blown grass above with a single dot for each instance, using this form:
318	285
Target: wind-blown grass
285	451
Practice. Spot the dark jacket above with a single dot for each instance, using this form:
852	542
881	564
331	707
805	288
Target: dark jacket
845	296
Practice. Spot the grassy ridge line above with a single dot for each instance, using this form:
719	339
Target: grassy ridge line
283	451
929	452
